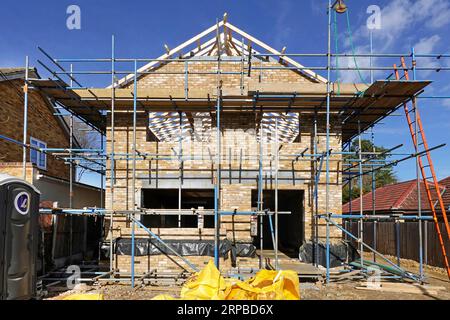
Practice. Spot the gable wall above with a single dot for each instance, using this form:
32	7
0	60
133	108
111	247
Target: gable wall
42	125
209	81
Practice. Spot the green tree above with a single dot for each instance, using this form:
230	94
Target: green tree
383	176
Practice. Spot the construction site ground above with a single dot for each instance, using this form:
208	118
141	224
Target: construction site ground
345	289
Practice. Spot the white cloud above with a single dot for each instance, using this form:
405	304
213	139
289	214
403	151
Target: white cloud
282	30
435	13
400	15
353	62
398	20
425	46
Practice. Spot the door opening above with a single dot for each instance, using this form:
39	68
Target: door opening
291	231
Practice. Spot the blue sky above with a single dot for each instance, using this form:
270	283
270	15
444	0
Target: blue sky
142	28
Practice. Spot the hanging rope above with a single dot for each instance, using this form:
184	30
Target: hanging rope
353	48
337	52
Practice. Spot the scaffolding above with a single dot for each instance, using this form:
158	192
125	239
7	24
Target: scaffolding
360	112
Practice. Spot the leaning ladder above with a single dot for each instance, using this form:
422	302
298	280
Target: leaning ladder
420	141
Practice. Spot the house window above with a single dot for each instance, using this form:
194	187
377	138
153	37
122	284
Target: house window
36	157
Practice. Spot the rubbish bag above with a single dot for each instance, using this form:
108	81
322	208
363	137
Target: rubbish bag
84	296
204	285
266	285
208	284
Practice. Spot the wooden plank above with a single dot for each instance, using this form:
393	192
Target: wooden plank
144	93
302	88
168	54
347	275
406	289
203	48
403	287
243	48
273	51
200	49
394	290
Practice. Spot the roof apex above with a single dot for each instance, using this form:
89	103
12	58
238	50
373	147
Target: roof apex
227	28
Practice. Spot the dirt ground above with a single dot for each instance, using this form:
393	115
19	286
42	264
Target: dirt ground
338	290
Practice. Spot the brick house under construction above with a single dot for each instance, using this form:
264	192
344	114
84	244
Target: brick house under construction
158	181
170	166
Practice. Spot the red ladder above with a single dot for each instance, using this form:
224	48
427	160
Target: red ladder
425	153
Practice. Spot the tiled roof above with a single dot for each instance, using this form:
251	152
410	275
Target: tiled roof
399	197
446	195
16	73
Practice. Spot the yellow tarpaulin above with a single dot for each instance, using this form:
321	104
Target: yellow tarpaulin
208	284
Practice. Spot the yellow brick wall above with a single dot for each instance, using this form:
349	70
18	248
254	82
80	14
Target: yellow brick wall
15	169
237	133
42	125
235	195
165	80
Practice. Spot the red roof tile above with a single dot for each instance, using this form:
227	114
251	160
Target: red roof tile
400	196
446	195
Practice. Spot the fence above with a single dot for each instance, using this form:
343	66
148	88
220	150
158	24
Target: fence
402	239
68	239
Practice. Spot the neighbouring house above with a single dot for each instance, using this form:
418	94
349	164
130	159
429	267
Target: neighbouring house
45	130
399	198
446	194
401	237
64	239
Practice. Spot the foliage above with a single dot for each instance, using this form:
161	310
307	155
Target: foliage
382	177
